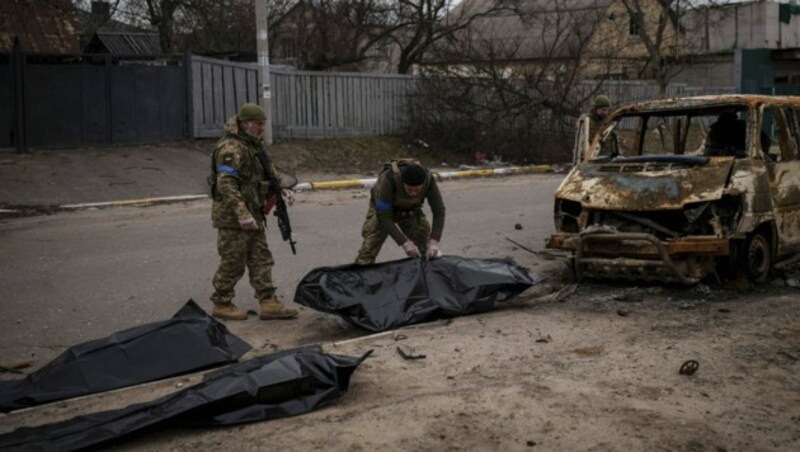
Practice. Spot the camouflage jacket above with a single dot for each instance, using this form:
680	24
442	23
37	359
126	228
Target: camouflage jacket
390	199
240	188
611	145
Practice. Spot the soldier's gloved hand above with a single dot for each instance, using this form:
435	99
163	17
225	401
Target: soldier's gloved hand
433	249
269	204
411	249
248	223
288	195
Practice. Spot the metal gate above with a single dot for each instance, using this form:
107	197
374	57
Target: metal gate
52	102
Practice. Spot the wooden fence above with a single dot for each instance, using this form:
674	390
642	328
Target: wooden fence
68	104
219	88
308	104
326	104
305	104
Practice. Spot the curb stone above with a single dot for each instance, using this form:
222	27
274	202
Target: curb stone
444	175
327	185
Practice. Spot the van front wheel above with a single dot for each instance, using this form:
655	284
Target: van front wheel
757	257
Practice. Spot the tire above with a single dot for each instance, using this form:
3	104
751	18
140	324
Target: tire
756	257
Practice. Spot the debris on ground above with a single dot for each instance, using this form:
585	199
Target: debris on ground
408	355
689	367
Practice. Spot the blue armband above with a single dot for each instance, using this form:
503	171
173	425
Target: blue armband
227	169
382	205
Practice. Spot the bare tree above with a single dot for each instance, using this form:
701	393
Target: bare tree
512	94
421	24
332	33
206	26
214	27
663	27
336	33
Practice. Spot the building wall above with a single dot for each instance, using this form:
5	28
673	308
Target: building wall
714	72
745	26
613	35
787	72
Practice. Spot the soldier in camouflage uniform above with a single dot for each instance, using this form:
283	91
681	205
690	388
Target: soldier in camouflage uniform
395	209
601	107
240	192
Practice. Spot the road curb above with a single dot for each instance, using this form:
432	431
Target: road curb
326	185
443	175
130	202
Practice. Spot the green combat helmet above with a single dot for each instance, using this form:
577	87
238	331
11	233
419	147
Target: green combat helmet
252	112
601	101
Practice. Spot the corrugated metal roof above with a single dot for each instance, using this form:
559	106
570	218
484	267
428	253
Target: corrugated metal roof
125	43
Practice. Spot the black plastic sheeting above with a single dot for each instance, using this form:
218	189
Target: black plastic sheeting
280	384
398	293
190	340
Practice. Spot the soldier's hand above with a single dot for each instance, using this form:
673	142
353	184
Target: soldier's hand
411	249
288	195
433	249
248	223
269	204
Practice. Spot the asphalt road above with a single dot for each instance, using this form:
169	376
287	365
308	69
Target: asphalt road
589	366
72	277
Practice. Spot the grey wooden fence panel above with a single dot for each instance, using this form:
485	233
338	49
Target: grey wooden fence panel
220	87
228	92
321	104
308	104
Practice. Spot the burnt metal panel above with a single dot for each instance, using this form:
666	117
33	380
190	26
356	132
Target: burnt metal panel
635	186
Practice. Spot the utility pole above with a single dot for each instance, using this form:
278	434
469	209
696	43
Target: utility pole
262	46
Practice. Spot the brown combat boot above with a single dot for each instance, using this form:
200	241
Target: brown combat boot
229	311
271	309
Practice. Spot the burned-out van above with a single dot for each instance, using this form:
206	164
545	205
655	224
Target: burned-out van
689	186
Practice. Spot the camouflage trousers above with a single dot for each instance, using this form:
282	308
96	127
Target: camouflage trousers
413	224
238	249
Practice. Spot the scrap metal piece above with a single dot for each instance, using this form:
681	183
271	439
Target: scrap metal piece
408	356
389	295
522	246
190	340
268	387
689	367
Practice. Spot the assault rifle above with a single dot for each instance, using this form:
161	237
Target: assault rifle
281	213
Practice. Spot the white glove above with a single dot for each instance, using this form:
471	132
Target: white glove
433	249
288	195
248	223
411	249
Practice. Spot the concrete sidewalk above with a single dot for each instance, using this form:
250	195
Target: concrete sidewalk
71	176
126	175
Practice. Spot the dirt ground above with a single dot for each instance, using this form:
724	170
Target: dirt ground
37	181
589	366
566	366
